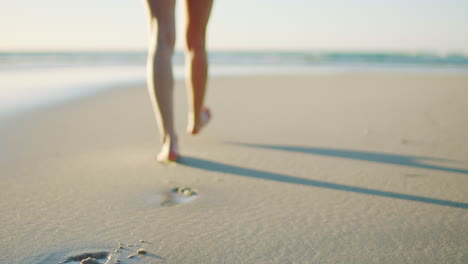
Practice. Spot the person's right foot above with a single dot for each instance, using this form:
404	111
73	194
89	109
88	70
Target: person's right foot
194	127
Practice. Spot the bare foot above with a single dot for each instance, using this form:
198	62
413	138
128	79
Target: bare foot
169	152
194	127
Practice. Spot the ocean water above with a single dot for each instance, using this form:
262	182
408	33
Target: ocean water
32	79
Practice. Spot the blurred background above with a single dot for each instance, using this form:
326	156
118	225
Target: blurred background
55	49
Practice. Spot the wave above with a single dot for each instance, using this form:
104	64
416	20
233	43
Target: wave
15	60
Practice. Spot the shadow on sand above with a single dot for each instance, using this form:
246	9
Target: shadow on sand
404	160
376	157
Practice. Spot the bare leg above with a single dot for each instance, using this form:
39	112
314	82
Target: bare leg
198	14
160	78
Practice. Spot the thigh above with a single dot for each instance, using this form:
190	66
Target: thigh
162	12
198	14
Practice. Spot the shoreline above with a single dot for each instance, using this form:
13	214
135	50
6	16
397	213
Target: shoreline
94	87
292	169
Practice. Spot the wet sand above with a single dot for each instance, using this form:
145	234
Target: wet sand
344	168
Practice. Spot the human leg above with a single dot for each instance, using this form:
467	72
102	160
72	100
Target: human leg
159	71
198	13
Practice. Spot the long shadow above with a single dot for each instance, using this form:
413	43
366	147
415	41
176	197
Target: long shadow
271	176
405	160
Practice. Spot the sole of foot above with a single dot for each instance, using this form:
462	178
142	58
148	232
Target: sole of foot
205	119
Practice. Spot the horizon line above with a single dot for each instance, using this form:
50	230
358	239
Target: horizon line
292	50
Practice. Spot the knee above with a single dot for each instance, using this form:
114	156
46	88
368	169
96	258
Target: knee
195	41
166	39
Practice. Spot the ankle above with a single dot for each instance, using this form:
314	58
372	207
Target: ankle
194	117
169	138
197	116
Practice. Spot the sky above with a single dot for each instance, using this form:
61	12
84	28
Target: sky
331	25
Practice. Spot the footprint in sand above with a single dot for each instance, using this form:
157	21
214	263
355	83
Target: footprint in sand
118	255
179	195
77	258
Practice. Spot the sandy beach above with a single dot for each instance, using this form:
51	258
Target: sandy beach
337	168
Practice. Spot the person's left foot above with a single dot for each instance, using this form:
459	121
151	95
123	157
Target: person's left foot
169	152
